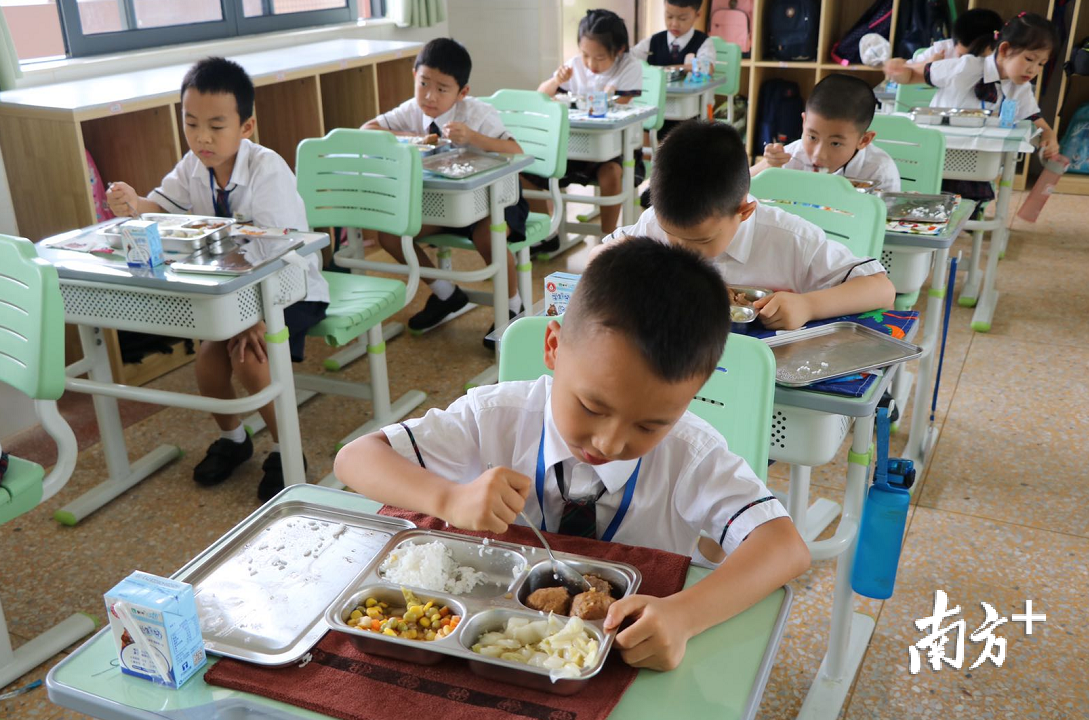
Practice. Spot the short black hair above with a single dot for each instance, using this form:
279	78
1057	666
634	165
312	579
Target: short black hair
214	75
607	28
843	97
701	170
976	29
690	4
1029	31
447	56
669	302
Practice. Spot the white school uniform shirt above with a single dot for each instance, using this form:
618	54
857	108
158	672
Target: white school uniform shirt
626	75
946	48
706	51
690	482
477	115
774	249
869	163
261	191
956	82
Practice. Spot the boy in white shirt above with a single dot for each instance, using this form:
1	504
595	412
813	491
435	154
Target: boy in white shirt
680	40
974	33
836	137
699	190
442	108
582	454
226	175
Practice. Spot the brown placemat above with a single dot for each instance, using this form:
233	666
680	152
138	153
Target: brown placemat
346	683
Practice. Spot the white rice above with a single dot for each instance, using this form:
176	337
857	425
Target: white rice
429	566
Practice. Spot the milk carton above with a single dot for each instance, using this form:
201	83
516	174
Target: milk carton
141	243
559	286
155	627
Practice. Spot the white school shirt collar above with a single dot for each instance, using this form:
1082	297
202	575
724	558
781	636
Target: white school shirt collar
990	69
613	475
240	173
441	120
683	40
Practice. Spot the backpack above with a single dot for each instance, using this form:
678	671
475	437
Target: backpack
792	27
731	20
920	24
779	114
878	19
1078	64
1075	143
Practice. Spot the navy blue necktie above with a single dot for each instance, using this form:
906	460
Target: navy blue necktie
987	92
223	203
434	129
675	53
579	517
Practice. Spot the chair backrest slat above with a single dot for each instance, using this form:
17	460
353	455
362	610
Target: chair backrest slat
919	152
727	64
653	95
31	321
540	126
361	179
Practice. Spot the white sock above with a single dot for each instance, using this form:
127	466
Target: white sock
515	303
443	289
275	448
238	435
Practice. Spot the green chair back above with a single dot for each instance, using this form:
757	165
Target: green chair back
31	321
909	97
727	64
654	95
919	152
829	201
540	126
736	400
358	178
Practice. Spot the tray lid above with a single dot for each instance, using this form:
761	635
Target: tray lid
263	589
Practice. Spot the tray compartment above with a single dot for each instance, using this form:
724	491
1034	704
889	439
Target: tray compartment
501	565
518	673
540	576
414	651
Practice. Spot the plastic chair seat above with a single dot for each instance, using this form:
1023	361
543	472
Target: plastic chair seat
21	488
356	304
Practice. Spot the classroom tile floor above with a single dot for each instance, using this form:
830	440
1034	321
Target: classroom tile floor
999	517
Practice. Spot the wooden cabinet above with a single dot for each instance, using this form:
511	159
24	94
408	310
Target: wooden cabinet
130	123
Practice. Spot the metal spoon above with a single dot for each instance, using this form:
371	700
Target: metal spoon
568	576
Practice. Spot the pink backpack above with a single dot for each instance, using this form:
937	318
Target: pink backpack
731	20
98	190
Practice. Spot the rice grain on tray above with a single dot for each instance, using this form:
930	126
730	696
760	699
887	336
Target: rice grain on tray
429	566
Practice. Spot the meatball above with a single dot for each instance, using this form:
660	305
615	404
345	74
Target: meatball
591	605
599	583
552	600
739	298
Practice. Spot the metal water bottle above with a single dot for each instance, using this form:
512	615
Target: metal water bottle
883	519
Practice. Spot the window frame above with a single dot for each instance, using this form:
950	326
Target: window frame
233	24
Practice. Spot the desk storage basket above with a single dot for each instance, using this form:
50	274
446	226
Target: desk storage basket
806	437
595	145
455	208
971	165
908	267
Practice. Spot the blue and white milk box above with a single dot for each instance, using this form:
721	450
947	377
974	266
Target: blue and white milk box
559	287
156	629
598	102
141	243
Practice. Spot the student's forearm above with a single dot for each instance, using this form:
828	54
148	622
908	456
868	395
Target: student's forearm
551	86
371	467
771	556
758	168
861	294
375	125
914	73
498	145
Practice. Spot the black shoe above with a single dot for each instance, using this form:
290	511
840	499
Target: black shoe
222	458
273	481
435	311
550	245
488	342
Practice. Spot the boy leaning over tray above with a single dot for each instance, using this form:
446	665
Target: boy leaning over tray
612	423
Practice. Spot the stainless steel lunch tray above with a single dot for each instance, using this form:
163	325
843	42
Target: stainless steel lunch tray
196	237
238	254
918	207
863	186
427	149
675	75
743	314
262	591
956	117
487	607
462	163
804	357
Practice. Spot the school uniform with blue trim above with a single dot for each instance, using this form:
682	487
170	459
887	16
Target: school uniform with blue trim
690	482
974	82
261	191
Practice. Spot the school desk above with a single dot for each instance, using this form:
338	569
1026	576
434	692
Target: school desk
686	100
103	293
723	674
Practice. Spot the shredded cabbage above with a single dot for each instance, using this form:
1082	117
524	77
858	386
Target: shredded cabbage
565	649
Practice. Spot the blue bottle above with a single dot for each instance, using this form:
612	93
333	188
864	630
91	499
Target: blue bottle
883	519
